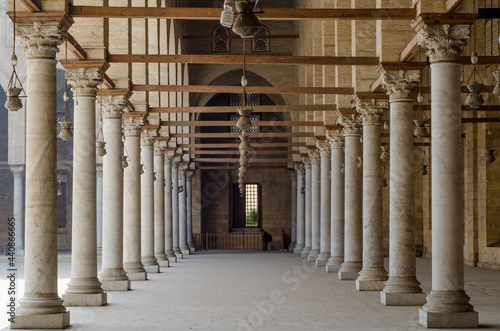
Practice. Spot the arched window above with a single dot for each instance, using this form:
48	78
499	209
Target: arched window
260	43
221	44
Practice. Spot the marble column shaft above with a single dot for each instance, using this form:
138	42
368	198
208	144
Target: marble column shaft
315	204
148	258
84	289
402	288
307	207
175	208
447	305
353	238
189	209
293	232
299	246
169	248
373	275
325	203
41	304
99	208
112	274
132	200
18	173
337	144
159	203
183	212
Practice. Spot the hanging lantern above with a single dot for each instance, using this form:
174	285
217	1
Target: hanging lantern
420	130
384	182
65	130
124	161
13	102
423	169
490	150
474	99
385	153
99	145
244	123
496	90
59	189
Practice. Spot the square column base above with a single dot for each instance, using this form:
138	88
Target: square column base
297	251
305	254
164	264
312	258
47	321
95	299
179	256
137	276
330	268
468	319
185	252
172	259
192	250
348	275
403	299
321	263
115	285
370	285
154	269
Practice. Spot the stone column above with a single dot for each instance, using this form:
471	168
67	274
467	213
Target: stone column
112	274
99	208
373	275
148	259
315	204
132	200
293	237
175	208
353	235
18	173
169	248
41	305
336	259
84	289
189	209
299	246
402	288
307	207
447	305
325	233
159	203
183	212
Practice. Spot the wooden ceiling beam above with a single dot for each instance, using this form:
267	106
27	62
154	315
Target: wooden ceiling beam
235	135
272	36
33	5
75	48
238	89
249	59
256	109
280	14
233	123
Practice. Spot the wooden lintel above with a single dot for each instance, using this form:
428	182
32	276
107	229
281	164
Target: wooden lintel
74	47
235	145
237	152
249	59
256	109
370	95
239	89
72	64
281	14
237	160
441	19
347	111
235	135
33	5
135	114
43	17
273	36
150	127
398	66
233	123
334	127
114	92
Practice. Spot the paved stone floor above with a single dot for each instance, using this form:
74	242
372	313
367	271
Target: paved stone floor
258	291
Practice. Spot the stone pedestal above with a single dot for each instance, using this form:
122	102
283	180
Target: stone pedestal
353	237
373	275
336	140
307	208
183	213
189	209
402	288
148	259
175	208
325	152
447	305
112	275
18	208
84	288
41	307
293	234
299	246
132	200
159	203
169	248
315	204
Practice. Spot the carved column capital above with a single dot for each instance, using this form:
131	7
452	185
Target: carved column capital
159	148
189	174
84	80
148	136
41	40
169	157
132	126
324	148
112	106
183	169
314	156
335	138
293	175
351	123
444	42
400	84
17	171
371	111
300	169
307	162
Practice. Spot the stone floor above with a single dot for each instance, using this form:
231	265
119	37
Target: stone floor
258	291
